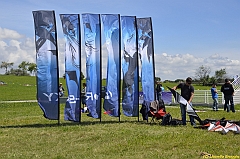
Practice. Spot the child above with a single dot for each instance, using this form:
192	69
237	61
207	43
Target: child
214	97
83	95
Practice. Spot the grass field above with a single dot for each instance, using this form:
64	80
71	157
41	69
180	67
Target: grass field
25	133
24	87
19	87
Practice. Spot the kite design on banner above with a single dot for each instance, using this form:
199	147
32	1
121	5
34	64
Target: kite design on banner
190	110
92	40
145	49
71	31
130	101
47	63
112	34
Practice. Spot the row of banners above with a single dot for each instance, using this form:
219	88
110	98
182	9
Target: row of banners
137	39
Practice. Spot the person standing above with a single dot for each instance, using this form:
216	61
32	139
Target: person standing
214	97
83	95
61	90
228	92
187	92
159	90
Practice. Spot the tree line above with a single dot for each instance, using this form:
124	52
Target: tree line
24	68
202	74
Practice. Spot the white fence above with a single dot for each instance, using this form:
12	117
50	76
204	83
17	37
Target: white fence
204	97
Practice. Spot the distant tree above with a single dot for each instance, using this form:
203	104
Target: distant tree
24	67
6	65
220	75
202	74
32	68
166	81
213	80
179	80
17	72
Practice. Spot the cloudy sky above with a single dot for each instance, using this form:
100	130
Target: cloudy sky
187	34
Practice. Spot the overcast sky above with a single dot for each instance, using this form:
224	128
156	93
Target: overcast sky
187	33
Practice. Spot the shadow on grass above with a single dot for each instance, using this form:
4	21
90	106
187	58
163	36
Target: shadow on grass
68	123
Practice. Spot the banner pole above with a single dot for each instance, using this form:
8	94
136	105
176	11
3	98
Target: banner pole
153	59
119	73
80	70
57	66
100	63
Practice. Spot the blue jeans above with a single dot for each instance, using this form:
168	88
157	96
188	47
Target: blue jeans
229	98
215	103
183	113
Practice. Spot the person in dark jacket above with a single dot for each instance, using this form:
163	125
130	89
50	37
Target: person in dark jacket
228	92
159	90
187	92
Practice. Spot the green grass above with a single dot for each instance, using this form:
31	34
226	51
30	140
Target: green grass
25	133
20	87
24	87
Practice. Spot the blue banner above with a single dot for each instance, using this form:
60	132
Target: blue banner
145	49
47	63
167	98
130	97
111	25
71	31
92	40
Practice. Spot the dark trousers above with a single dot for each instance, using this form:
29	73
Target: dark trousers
229	98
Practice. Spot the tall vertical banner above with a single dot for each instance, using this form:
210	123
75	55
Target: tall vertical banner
145	49
47	63
130	96
111	24
71	31
92	40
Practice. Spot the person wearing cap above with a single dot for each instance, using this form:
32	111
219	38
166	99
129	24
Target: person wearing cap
228	92
187	92
61	90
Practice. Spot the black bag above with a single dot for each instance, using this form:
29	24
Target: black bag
167	118
143	111
176	122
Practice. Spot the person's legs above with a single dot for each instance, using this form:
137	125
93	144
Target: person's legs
215	104
226	105
216	100
183	113
159	96
232	104
214	107
60	94
192	119
84	101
